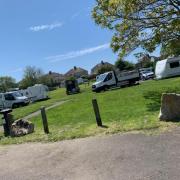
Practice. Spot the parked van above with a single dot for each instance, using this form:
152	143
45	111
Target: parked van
36	92
114	79
12	100
168	68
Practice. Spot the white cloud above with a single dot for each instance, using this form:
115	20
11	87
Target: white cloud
74	54
45	27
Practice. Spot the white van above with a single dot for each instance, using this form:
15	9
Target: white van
36	92
12	100
114	79
168	68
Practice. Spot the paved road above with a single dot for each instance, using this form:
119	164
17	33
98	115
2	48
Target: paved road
121	157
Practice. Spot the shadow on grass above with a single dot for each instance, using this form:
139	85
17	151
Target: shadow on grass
154	100
154	97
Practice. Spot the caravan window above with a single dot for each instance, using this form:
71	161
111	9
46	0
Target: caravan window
174	64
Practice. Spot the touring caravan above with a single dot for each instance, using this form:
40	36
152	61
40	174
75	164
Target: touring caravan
36	92
12	100
168	68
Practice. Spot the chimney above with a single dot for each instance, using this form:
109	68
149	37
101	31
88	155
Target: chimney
75	67
102	62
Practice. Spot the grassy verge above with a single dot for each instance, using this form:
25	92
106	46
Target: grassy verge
127	109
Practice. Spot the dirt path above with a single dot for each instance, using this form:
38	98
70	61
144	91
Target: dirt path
50	107
117	157
38	112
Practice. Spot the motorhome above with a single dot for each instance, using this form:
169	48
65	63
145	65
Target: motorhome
12	100
36	92
168	68
115	79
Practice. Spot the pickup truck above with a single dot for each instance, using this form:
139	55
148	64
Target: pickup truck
115	79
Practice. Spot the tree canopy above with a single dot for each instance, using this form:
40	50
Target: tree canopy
140	23
31	76
124	65
7	82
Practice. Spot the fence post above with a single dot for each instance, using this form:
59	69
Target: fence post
44	120
96	111
6	121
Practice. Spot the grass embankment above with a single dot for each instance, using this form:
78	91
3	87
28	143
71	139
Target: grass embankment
55	96
132	108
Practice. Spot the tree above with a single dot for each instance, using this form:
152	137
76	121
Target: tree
124	65
31	76
140	23
144	60
7	82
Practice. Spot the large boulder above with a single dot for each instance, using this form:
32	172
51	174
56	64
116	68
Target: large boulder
170	107
21	127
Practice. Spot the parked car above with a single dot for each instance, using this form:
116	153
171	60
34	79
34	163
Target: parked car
12	100
169	67
145	75
115	79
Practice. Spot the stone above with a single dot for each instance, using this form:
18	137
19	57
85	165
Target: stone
170	107
21	127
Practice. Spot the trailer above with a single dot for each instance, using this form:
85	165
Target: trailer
115	79
168	68
36	92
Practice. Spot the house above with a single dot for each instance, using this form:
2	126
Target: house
76	72
95	69
54	79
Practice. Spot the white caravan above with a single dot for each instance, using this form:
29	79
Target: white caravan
168	68
115	79
36	92
12	100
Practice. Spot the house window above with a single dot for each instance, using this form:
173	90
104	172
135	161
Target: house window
174	64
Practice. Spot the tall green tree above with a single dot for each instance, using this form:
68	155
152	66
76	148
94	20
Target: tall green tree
140	23
31	76
7	82
124	65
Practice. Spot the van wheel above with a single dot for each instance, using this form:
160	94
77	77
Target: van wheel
106	88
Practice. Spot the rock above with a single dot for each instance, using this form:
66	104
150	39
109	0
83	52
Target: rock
170	107
21	127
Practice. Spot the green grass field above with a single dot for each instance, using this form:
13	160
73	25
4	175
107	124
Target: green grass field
126	109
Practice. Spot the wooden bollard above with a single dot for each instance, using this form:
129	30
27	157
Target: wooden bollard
6	121
96	111
44	120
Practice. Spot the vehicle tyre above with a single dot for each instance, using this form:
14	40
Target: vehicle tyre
105	88
15	106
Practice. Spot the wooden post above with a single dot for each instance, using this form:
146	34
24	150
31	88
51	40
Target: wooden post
7	121
44	120
96	111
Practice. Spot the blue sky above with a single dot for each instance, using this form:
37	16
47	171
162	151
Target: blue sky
52	35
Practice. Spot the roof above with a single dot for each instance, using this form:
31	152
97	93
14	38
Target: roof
76	70
102	63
